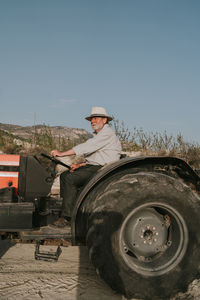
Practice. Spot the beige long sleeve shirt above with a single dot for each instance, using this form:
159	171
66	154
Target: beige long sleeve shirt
102	149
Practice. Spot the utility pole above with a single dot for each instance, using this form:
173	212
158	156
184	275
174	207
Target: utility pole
34	135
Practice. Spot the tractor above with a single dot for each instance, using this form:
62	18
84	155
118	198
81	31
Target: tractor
139	218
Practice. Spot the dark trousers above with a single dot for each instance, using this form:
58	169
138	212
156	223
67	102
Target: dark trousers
70	184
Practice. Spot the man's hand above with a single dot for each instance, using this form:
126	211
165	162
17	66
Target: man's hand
61	154
73	167
55	153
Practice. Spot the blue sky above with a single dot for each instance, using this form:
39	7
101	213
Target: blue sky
140	59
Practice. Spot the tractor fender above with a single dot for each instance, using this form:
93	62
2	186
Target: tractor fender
183	170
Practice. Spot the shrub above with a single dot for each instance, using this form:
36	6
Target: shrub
150	143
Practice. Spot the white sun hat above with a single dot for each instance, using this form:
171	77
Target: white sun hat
99	112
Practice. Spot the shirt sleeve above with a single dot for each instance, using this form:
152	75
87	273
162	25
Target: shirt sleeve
92	145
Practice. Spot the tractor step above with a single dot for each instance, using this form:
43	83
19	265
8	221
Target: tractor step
46	255
44	234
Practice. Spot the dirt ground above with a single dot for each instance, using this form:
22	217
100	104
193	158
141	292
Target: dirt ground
72	277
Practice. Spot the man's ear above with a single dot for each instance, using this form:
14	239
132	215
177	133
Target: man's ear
105	120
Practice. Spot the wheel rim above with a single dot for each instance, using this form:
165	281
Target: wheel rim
153	239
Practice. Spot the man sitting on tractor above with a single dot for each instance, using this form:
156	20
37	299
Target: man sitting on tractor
98	151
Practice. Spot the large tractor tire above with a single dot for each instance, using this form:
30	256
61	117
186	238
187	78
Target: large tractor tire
143	234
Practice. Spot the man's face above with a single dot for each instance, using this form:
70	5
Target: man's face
97	123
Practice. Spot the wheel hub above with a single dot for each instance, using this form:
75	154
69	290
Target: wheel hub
146	234
153	238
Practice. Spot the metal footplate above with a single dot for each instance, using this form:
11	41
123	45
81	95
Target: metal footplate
46	255
44	234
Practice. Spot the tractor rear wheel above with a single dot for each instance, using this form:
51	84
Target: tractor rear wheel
143	235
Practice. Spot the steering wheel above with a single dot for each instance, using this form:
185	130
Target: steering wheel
54	160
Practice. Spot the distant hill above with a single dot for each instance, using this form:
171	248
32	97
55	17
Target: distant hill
27	132
30	135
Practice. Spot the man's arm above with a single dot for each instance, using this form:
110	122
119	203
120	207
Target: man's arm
58	153
73	167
